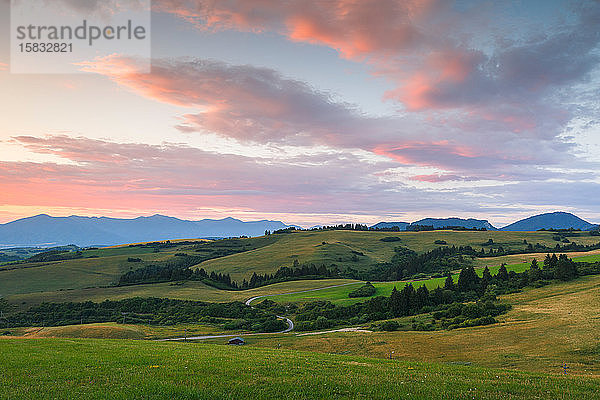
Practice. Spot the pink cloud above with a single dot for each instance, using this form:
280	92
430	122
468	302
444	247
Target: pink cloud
435	178
354	28
178	178
242	102
259	105
429	50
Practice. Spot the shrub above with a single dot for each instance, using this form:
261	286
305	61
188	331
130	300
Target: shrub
367	290
389	326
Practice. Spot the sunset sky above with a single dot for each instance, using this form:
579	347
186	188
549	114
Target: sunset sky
317	112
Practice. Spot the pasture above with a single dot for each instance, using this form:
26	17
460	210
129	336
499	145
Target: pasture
134	369
361	250
546	327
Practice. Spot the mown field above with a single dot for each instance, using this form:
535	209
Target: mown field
130	369
189	290
113	330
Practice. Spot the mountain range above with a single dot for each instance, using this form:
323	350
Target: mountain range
44	230
554	220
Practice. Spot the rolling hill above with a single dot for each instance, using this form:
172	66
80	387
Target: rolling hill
388	225
555	220
470	223
44	230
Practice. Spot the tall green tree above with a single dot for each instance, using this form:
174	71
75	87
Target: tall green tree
468	280
449	283
502	274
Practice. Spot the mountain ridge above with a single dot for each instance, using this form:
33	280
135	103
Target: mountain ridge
552	220
43	229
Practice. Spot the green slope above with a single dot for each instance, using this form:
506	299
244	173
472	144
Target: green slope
337	247
359	250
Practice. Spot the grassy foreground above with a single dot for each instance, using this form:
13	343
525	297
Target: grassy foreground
128	369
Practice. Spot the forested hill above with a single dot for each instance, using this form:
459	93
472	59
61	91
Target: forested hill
555	220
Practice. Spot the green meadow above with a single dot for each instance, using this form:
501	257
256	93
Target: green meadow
340	248
134	369
339	295
93	276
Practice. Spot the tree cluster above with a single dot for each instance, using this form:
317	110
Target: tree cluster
235	315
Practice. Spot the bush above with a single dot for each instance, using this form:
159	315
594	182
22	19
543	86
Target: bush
367	290
389	326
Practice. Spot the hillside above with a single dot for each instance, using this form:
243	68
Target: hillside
546	327
555	220
44	230
93	368
439	223
97	270
337	247
389	225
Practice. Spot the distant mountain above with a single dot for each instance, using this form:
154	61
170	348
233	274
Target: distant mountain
382	225
555	220
44	230
470	223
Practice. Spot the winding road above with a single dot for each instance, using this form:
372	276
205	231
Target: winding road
248	303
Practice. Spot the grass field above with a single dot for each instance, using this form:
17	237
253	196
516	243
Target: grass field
340	247
129	369
587	256
113	330
74	274
546	327
337	247
190	290
339	295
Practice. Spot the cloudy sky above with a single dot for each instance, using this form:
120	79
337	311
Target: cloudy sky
315	112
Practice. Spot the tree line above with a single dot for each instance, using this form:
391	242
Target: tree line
469	301
155	311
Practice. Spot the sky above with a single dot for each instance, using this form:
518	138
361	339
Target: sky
316	112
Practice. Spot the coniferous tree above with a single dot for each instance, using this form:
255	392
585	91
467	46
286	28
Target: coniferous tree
535	274
565	268
502	274
486	279
468	280
421	297
395	306
449	283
